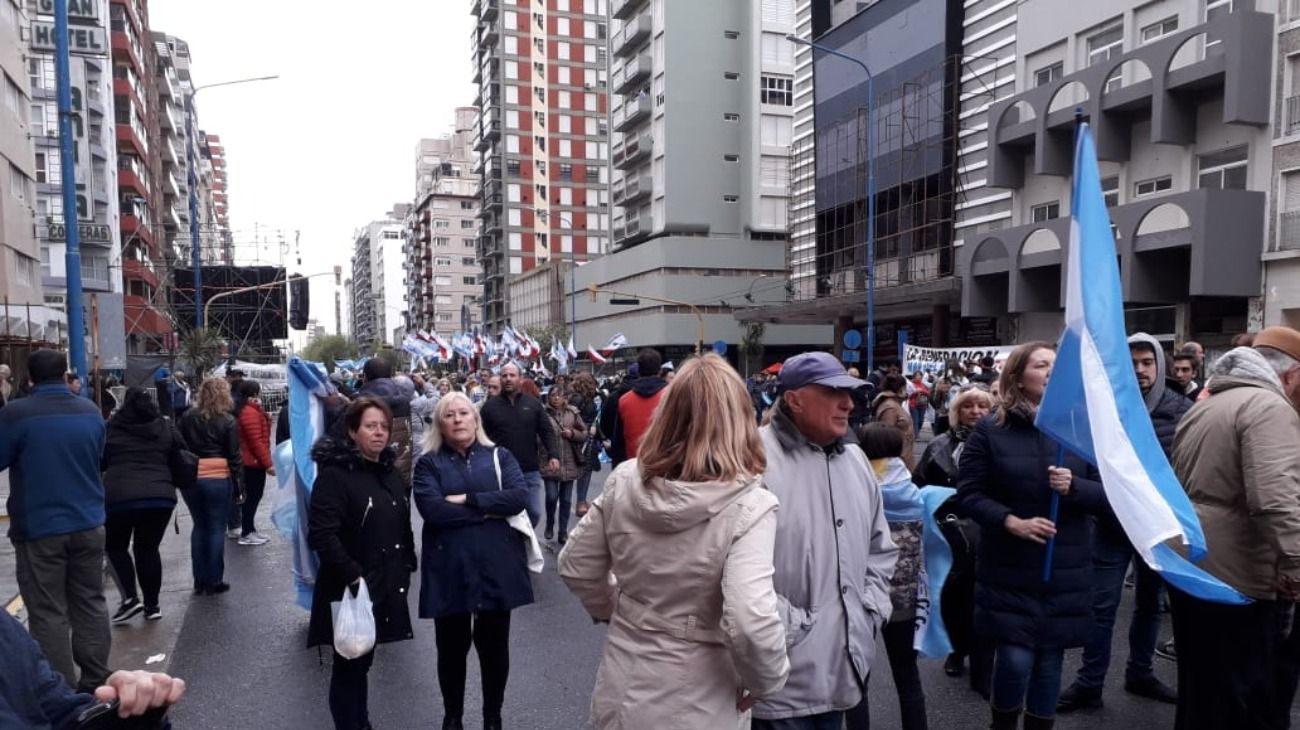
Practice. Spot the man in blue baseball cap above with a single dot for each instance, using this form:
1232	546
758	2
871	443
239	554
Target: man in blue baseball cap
831	510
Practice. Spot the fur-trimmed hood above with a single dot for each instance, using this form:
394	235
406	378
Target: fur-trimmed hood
330	451
1242	366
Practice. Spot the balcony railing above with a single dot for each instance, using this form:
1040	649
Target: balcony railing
1293	113
634	32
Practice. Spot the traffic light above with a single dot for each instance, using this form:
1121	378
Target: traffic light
299	302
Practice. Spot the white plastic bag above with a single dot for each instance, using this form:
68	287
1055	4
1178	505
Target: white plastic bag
354	623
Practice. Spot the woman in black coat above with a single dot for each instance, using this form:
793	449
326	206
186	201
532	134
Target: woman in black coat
475	564
139	498
1005	481
360	527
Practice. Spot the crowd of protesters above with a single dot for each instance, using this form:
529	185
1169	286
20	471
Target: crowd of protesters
784	508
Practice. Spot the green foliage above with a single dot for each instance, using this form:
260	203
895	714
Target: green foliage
202	350
329	348
751	343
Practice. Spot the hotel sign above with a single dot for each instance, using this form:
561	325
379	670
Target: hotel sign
86	40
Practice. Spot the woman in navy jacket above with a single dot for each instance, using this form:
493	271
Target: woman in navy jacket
475	566
1005	482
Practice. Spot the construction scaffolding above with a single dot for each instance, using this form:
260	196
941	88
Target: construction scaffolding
249	321
916	140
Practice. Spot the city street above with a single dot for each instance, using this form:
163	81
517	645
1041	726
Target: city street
244	657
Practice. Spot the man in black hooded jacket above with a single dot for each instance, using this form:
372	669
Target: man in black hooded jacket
634	407
1112	553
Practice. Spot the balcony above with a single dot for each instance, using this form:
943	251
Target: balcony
488	35
133	269
1168	81
632	191
633	34
1202	243
1288	232
142	317
624	9
488	9
1293	115
127	180
166	120
634	112
636	228
633	150
633	73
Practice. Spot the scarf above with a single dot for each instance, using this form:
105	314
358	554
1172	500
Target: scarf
904	502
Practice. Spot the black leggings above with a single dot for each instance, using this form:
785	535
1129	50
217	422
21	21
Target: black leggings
148	527
348	691
898	639
490	635
254	486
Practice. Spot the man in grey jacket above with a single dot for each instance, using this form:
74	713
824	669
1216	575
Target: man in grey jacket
833	556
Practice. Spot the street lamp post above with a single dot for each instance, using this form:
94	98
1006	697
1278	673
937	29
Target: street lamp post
573	271
871	191
196	259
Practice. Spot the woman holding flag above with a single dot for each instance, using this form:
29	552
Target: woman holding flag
1008	474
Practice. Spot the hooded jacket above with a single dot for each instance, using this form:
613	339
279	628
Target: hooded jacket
890	409
1166	404
359	525
1235	454
693	614
635	409
834	558
137	471
398	398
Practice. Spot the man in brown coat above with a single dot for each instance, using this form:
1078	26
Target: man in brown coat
1236	456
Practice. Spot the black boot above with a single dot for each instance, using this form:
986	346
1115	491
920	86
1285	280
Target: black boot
1078	697
954	665
1005	719
1033	722
452	723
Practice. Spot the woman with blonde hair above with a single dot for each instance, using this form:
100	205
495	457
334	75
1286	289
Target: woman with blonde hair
696	649
213	436
474	570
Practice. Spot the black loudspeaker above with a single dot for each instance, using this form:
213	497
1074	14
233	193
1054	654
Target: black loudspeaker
299	302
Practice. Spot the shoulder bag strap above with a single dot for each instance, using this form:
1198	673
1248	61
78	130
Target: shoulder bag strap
496	462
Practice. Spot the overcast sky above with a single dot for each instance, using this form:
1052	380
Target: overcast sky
330	145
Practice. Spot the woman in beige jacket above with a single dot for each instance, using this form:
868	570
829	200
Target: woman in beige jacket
688	529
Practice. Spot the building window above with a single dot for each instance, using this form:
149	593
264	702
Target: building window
468	261
1048	74
467	224
1045	211
1225	170
730	75
469	280
566	171
776	49
1105	45
1110	190
1159	30
731	158
1153	186
444	316
1215	9
593	173
730	117
777	90
18	183
442	261
441	242
512	168
467	205
731	35
731	198
442	224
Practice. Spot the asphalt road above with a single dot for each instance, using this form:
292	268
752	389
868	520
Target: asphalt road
243	654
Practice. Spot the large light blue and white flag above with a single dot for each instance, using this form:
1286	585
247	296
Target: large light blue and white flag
295	470
1094	407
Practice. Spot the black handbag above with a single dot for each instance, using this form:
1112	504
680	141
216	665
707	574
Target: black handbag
184	466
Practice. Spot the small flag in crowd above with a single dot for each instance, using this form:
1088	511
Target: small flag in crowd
616	342
596	357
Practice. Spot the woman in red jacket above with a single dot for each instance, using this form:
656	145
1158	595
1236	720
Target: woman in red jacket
255	449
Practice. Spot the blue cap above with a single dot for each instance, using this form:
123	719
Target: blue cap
816	368
161	374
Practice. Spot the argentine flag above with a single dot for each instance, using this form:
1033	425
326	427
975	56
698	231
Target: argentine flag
1093	405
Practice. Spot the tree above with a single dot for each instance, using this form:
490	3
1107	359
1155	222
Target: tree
202	349
751	343
330	348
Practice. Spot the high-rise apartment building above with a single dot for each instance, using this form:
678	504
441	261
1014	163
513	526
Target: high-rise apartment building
542	94
221	235
20	254
140	186
443	287
704	227
378	293
173	210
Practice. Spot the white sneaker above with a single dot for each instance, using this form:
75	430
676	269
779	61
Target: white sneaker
233	533
253	538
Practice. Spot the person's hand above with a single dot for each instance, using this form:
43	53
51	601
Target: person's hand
270	470
456	498
553	465
138	692
745	701
1287	588
1034	529
1059	479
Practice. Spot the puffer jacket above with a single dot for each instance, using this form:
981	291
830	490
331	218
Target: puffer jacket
255	436
1235	454
1004	472
359	525
890	409
679	651
137	470
833	560
569	467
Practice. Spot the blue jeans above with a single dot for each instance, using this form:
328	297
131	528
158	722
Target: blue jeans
824	721
1111	555
1028	678
584	484
536	496
918	418
561	493
209	503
